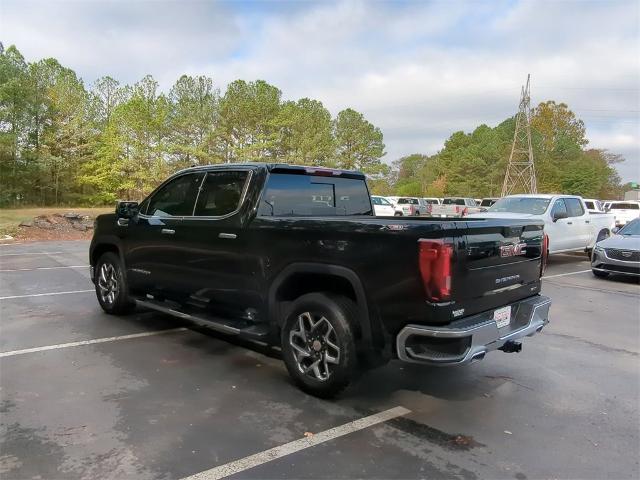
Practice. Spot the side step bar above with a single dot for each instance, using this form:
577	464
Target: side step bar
253	332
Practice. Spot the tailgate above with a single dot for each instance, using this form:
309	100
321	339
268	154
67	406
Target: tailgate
499	262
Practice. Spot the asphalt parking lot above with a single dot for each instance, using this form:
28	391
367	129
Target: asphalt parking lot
85	395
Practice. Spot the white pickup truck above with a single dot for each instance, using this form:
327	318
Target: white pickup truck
455	207
624	211
567	223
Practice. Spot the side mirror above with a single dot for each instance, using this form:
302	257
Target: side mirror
126	209
615	229
559	215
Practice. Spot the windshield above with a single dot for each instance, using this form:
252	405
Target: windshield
624	206
631	228
380	201
531	205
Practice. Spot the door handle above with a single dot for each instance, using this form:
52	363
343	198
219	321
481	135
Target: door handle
569	223
587	221
167	231
230	236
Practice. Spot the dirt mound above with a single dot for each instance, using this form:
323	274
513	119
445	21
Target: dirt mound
59	226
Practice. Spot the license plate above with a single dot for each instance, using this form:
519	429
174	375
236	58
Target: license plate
502	316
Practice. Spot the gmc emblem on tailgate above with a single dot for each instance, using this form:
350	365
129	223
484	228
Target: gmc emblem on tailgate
513	250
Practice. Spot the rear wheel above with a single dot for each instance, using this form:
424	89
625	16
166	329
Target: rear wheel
318	344
600	274
111	286
397	214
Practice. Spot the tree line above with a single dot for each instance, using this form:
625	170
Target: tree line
474	164
62	143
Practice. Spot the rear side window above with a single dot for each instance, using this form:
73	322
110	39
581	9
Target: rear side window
624	206
574	207
307	195
221	193
177	198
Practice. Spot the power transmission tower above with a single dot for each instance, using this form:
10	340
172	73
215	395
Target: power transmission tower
521	172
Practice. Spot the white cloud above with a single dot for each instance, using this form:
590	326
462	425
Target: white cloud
417	70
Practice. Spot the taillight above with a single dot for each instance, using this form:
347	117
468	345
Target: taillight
435	268
457	209
429	209
545	254
464	212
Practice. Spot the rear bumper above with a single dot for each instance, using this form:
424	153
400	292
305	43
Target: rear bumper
469	339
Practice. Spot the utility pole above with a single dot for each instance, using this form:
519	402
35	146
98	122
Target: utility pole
521	172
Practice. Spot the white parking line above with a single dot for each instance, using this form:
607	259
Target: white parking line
46	294
42	268
88	342
565	274
246	463
31	253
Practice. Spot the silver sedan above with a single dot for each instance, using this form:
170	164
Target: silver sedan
619	253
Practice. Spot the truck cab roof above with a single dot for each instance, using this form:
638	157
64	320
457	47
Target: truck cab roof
280	168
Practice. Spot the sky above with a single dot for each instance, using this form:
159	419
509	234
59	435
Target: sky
418	70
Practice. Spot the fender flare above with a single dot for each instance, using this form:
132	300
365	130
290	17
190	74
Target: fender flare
364	319
102	240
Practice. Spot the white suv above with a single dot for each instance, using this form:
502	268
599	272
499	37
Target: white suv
382	207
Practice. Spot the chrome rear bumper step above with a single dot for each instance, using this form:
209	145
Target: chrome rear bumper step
469	339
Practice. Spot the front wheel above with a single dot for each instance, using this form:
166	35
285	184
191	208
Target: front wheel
318	344
111	286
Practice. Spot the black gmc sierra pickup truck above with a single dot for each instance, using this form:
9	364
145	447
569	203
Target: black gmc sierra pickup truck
294	256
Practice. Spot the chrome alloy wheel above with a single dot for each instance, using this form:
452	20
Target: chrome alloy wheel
314	344
108	283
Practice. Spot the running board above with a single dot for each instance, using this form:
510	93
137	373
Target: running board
213	324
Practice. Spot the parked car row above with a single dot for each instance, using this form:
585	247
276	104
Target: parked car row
431	206
609	232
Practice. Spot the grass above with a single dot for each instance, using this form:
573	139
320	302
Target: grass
10	218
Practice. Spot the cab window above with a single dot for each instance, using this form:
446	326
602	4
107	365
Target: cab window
177	198
221	193
574	207
308	195
558	207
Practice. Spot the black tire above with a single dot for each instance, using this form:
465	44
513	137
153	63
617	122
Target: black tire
111	285
600	274
397	214
417	214
339	312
